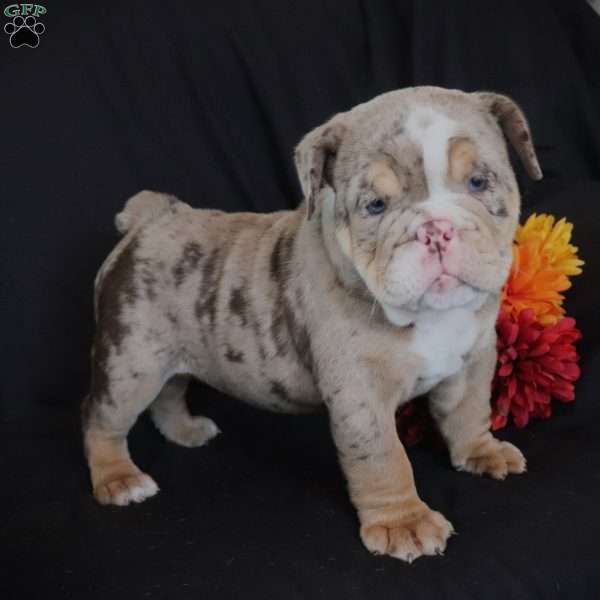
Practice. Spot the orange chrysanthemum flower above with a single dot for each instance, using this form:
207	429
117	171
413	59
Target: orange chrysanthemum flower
543	261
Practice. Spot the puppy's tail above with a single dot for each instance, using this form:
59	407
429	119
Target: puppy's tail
142	208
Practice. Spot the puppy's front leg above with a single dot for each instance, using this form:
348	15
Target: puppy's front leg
394	520
461	408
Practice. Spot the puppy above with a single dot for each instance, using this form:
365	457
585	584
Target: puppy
383	285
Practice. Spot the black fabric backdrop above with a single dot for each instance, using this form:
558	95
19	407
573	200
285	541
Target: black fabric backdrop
207	100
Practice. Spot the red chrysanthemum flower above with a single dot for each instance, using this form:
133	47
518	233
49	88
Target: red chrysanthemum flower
413	422
535	364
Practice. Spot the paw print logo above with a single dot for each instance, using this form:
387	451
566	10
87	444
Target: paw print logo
24	31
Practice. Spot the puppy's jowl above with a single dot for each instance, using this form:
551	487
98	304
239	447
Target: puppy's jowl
384	284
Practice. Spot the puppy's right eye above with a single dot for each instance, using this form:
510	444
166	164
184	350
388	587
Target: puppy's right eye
477	183
376	207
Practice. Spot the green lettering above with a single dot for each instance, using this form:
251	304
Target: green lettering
12	10
26	8
39	10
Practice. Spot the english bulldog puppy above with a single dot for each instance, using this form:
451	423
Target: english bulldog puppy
383	285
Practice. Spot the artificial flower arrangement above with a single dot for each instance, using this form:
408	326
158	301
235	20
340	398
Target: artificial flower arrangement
537	361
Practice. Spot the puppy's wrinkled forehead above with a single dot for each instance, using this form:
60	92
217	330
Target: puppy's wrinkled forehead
443	139
438	132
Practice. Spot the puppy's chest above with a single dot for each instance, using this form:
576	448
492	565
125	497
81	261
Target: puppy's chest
442	340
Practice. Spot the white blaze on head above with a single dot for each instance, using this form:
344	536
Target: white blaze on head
431	131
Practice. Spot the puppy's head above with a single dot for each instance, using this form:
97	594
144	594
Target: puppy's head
421	193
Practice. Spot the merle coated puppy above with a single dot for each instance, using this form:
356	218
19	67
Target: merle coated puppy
384	284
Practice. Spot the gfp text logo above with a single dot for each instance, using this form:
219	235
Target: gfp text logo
24	29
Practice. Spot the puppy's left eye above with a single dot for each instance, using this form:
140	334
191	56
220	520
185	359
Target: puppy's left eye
376	207
477	183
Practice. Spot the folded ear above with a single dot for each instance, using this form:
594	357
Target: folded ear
315	157
515	128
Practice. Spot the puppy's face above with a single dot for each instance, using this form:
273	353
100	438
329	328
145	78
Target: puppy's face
426	202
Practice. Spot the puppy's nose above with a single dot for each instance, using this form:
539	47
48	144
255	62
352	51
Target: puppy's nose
437	234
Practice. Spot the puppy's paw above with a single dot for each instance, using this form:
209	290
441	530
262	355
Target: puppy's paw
495	458
193	432
408	538
121	490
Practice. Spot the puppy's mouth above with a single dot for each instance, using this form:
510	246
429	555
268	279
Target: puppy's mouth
442	273
444	283
441	289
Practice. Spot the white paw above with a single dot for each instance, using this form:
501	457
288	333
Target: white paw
194	431
124	489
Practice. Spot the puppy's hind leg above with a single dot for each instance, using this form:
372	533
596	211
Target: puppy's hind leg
170	414
117	397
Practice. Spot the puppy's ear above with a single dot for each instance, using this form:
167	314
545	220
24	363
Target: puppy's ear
315	157
515	127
